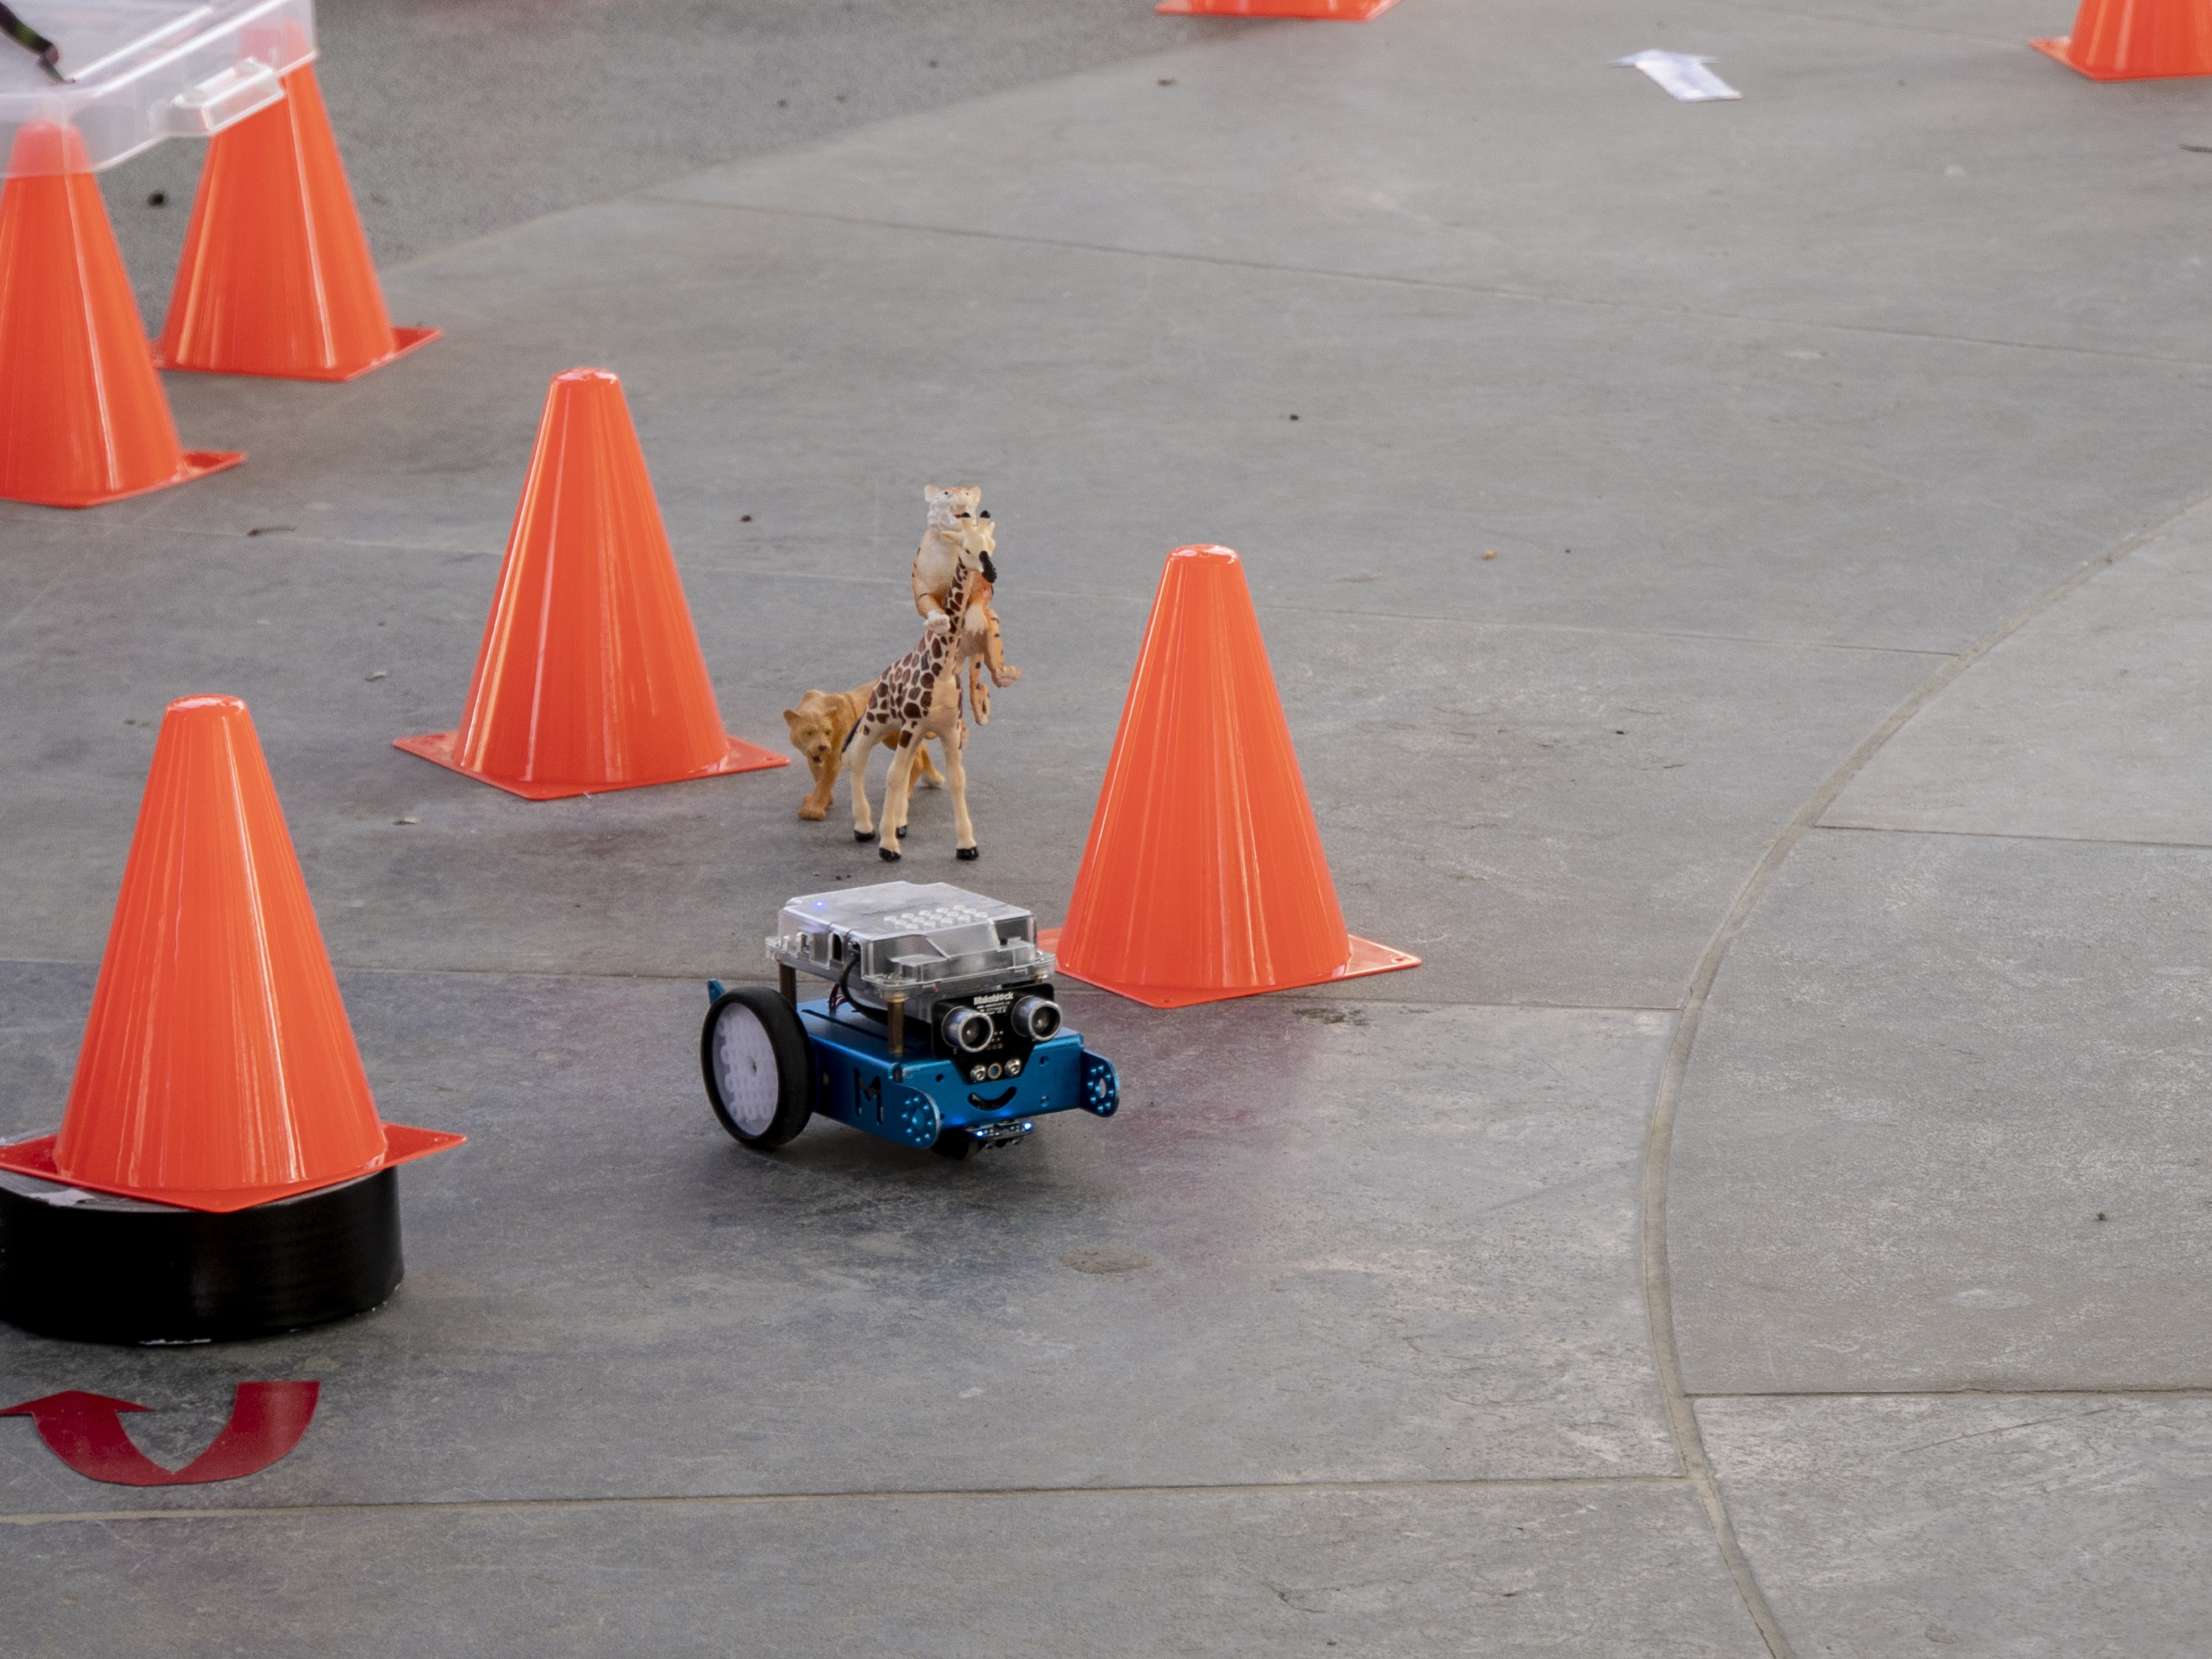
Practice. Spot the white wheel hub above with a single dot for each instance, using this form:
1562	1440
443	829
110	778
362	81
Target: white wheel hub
744	1069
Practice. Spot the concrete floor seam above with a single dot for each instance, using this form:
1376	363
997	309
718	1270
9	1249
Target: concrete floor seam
1503	625
2006	835
708	567
1658	1294
1278	608
1483	290
269	1511
2128	1391
1344	993
33	603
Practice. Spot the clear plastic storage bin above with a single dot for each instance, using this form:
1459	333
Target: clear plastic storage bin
142	70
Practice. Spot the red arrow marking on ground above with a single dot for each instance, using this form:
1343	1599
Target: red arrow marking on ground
267	1421
85	1431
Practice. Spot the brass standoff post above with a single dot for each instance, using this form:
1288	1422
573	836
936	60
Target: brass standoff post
897	1035
787	983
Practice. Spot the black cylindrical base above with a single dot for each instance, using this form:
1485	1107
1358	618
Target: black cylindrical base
93	1268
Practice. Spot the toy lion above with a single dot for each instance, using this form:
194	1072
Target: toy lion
820	726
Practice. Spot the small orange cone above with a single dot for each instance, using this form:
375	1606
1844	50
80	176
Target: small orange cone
1343	11
2136	39
82	416
275	278
590	676
218	1070
1204	876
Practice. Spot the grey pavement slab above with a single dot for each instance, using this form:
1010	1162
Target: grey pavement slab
455	121
1544	816
1546	813
2070	1526
1475	148
2090	723
1563	1569
814	375
1761	408
1379	1244
38	556
1871	171
1942	1125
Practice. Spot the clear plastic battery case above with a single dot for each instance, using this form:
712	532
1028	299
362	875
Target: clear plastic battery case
919	941
138	71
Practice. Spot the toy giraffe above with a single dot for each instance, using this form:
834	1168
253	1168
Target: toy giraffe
918	696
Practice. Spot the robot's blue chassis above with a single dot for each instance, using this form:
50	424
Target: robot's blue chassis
915	1098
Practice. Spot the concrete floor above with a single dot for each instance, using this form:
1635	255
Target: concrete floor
1774	1220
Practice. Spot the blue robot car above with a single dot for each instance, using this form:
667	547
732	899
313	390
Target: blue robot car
939	1030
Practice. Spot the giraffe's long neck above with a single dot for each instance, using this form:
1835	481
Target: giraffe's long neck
935	650
939	645
942	646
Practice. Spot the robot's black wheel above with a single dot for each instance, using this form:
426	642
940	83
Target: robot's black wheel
955	1144
758	1066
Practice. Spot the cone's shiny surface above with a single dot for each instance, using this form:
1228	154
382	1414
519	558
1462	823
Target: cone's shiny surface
218	1068
590	676
1204	871
2137	39
83	419
276	277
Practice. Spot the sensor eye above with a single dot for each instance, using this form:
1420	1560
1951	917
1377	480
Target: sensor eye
965	1031
1036	1018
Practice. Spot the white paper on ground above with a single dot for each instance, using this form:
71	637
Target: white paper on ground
1685	76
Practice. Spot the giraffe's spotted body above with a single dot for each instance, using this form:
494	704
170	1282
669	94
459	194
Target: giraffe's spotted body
919	697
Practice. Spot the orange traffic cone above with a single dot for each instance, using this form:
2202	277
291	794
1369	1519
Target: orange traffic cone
219	1096
1344	11
82	416
1204	876
275	278
590	676
218	1070
2136	39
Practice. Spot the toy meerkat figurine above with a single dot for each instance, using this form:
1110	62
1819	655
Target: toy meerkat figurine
957	522
937	561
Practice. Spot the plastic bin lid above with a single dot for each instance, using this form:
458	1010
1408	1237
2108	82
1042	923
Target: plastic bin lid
138	71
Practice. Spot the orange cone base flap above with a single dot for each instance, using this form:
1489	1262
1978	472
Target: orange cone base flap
2060	48
275	278
405	341
1343	11
437	747
193	464
401	1146
1367	958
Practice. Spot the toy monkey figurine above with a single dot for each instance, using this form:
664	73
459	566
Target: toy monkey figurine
938	559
